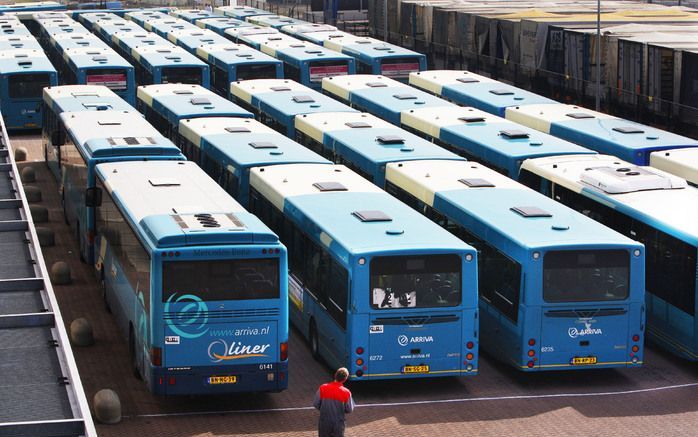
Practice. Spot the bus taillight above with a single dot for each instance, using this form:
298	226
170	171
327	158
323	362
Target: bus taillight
283	355
470	345
532	342
359	350
156	356
636	338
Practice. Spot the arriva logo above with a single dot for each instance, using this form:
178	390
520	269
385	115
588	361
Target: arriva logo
574	332
191	319
404	340
219	351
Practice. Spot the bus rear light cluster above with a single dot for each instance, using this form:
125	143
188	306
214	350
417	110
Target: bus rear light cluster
531	353
171	380
264	251
283	351
469	356
635	349
156	356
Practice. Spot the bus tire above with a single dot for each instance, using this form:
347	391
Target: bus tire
81	253
132	353
314	341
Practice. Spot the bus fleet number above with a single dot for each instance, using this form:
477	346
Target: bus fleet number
375	358
547	349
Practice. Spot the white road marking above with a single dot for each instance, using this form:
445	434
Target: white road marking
437	401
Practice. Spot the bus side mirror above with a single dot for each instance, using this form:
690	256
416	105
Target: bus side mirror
93	197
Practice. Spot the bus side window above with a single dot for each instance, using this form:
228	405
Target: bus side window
535	182
338	293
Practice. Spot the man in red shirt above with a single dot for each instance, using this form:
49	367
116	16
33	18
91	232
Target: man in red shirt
333	400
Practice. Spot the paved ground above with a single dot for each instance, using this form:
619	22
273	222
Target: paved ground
660	399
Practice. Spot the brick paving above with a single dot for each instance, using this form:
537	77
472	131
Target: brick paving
643	411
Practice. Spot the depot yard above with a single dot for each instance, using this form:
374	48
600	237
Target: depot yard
661	398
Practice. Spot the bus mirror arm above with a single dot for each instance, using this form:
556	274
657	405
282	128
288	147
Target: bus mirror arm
93	197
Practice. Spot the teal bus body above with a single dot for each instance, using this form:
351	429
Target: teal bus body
199	292
94	137
23	75
389	295
658	211
71	98
277	102
228	148
558	291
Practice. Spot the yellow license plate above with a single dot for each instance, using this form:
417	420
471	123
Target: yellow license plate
583	360
222	379
415	369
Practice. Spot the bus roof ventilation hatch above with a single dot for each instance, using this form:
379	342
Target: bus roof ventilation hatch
372	216
530	211
329	186
629	179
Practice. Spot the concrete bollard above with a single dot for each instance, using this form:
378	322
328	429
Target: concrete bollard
107	406
39	213
47	238
33	194
20	154
60	273
81	332
28	175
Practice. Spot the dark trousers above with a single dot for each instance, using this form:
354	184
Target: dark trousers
328	428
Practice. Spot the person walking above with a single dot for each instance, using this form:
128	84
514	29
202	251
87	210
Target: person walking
334	401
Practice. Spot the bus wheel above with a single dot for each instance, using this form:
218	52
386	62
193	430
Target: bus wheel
314	343
81	253
132	353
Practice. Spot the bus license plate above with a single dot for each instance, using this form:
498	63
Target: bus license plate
415	369
222	379
583	360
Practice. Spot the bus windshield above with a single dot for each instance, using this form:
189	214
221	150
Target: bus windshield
181	75
584	275
27	86
230	279
416	281
255	71
114	79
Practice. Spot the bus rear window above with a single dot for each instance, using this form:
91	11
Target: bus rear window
210	280
322	69
27	86
586	276
425	281
399	68
255	71
114	79
181	75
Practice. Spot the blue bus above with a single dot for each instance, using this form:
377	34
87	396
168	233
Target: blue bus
469	89
197	284
141	16
23	75
557	290
192	39
164	106
93	137
220	25
240	12
630	141
382	96
374	286
71	98
194	15
227	148
13	42
372	56
304	62
92	66
88	19
156	64
232	62
649	206
106	28
364	143
500	144
123	42
275	21
277	102
164	27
